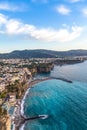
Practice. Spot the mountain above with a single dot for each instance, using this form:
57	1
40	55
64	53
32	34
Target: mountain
41	53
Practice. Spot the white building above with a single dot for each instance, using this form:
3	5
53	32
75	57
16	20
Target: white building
2	87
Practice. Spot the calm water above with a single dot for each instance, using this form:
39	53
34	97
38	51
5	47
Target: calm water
73	72
64	103
77	72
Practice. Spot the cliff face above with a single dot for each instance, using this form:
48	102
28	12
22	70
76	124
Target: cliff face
66	61
45	68
40	67
5	123
33	70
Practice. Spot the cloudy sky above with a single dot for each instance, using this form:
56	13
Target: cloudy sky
43	24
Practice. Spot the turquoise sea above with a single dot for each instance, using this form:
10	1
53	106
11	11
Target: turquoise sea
64	103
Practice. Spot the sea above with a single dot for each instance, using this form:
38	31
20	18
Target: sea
62	104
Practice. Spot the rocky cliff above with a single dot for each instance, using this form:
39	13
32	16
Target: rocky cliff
45	68
5	123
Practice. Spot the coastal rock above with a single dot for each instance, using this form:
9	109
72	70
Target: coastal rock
45	68
5	123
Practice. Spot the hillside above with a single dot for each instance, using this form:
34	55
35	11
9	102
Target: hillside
43	54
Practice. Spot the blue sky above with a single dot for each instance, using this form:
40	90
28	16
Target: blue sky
43	24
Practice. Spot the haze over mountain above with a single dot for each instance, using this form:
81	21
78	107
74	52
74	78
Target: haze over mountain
41	53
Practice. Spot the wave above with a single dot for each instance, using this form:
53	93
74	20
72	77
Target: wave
23	101
13	126
22	127
22	107
43	116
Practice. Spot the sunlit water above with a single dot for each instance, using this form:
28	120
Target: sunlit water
64	103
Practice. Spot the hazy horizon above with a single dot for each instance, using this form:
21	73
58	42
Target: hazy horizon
43	49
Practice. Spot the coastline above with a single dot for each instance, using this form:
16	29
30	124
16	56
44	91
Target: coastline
18	116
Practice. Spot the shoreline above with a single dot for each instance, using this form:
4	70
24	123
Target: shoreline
18	116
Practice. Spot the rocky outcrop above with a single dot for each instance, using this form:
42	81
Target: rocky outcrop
33	70
45	68
68	61
41	68
5	123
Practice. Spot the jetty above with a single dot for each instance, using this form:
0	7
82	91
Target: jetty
63	79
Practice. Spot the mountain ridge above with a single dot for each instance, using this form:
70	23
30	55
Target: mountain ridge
42	53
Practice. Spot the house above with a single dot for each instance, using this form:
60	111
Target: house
2	87
12	99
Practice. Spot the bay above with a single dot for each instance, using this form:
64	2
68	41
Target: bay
64	103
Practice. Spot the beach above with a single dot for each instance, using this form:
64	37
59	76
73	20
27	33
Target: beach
18	118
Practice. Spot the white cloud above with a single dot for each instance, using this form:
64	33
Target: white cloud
11	7
15	27
63	10
3	19
43	1
74	1
84	11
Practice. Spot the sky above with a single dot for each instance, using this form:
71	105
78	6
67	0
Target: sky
43	24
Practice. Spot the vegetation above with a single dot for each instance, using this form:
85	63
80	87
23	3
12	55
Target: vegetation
2	63
26	54
39	67
3	112
3	94
12	88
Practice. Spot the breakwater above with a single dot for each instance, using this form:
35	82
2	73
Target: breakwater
19	119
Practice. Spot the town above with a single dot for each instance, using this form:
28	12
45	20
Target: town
20	71
16	74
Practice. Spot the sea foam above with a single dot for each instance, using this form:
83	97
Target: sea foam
23	101
22	127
